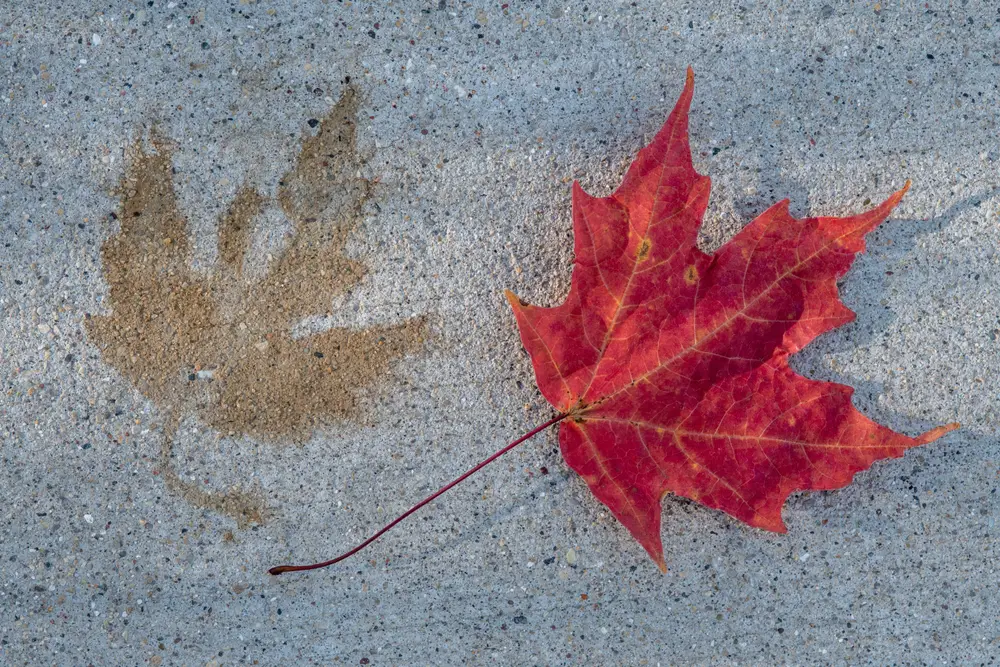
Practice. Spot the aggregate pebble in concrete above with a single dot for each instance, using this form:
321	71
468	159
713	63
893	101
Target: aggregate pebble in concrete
476	118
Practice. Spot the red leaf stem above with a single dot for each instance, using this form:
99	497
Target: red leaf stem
281	569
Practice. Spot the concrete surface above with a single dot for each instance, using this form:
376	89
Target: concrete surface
475	118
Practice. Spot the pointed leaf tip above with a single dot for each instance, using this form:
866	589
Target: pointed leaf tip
935	433
513	300
687	94
897	196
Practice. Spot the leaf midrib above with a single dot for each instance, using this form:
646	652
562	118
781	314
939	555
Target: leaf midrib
635	265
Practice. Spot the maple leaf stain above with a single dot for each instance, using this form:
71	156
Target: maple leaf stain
671	366
221	345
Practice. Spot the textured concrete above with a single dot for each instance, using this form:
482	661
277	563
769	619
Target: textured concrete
475	118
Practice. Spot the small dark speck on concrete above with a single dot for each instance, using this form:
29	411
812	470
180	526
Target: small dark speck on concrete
930	56
313	122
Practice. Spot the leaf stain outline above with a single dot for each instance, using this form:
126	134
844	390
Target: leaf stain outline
220	346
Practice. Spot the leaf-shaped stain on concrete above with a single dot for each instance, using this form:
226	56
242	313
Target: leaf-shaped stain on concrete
221	345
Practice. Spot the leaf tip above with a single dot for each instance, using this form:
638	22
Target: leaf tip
514	301
769	518
896	197
660	563
935	433
688	93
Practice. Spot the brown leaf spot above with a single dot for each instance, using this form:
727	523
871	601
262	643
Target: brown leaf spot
644	249
691	275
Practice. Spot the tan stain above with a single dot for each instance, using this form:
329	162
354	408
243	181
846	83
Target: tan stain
246	506
220	346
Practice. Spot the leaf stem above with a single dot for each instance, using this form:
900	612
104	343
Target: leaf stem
281	569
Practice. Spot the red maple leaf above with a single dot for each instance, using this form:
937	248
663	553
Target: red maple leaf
672	365
669	367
